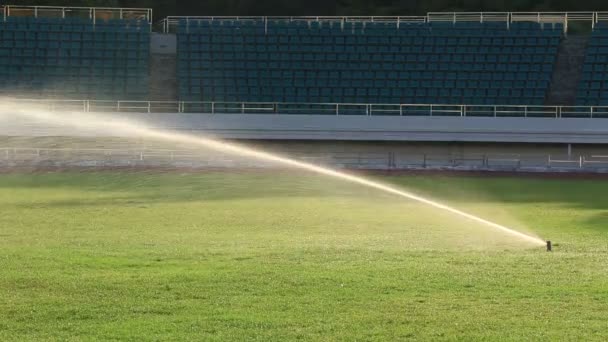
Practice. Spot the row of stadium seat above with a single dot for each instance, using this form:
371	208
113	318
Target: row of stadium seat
362	39
386	92
75	36
330	24
59	86
65	53
43	24
350	35
368	48
75	57
358	67
335	28
380	76
122	71
67	49
504	60
473	84
379	100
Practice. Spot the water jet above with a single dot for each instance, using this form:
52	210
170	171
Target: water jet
112	124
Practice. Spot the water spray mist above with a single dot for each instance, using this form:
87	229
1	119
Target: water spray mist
111	124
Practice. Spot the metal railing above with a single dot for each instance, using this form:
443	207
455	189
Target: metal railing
343	109
390	160
170	23
92	13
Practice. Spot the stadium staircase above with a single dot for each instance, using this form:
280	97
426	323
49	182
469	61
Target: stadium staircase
163	67
568	70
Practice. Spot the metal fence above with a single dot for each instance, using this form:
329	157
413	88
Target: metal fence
341	109
170	23
92	13
32	157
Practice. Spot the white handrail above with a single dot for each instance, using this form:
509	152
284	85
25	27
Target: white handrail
376	109
453	17
122	12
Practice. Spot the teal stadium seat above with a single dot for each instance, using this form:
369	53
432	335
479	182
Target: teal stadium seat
74	58
370	61
593	87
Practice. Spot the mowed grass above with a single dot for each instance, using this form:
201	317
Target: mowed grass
280	256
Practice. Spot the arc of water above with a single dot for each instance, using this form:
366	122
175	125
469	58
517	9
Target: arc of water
81	120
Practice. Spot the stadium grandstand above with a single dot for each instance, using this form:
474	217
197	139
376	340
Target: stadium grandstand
441	58
440	78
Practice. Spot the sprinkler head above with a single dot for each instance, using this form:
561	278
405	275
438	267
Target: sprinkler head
548	246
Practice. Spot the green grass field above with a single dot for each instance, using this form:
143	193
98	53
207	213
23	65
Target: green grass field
274	256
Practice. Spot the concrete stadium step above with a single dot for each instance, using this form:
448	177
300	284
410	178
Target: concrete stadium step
568	70
163	67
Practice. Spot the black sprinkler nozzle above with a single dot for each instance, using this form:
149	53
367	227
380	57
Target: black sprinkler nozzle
549	246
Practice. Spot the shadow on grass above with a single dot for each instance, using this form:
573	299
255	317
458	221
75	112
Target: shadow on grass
111	188
598	222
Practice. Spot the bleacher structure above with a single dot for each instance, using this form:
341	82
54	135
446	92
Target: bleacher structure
371	62
76	53
593	88
460	60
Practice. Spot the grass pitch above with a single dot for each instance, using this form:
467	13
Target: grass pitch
260	256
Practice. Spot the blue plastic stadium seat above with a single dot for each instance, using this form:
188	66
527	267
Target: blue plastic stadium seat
366	61
88	58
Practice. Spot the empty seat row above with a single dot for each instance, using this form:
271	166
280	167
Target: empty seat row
86	58
593	87
409	59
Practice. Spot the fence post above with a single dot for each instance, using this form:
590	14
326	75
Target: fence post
149	105
337	109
